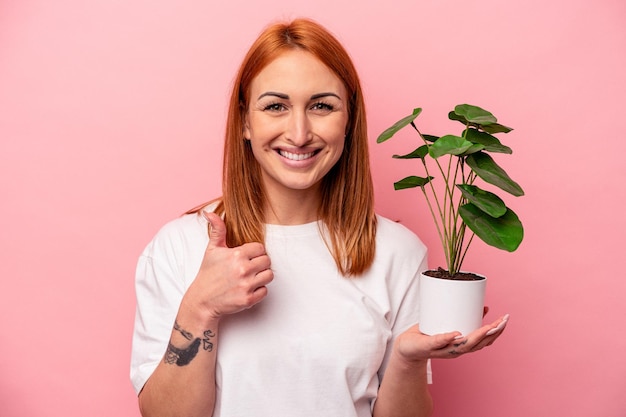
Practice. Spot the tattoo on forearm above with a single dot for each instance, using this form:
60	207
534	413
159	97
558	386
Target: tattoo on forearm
185	333
183	356
206	342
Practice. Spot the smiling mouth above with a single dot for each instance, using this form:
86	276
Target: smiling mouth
296	156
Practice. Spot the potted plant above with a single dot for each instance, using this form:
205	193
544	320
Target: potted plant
457	204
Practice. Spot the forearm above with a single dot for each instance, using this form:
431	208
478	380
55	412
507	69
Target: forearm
404	390
184	382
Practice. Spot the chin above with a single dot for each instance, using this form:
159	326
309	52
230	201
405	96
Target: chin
301	185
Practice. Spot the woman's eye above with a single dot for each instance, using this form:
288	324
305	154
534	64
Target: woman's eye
324	107
274	107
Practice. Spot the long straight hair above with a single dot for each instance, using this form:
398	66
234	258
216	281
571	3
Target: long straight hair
347	202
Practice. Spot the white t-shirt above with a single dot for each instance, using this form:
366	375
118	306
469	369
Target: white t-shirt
317	345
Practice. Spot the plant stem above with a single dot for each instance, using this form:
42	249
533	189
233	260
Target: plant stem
442	230
465	251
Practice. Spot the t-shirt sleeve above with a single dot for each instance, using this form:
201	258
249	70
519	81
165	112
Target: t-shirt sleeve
159	289
409	259
408	313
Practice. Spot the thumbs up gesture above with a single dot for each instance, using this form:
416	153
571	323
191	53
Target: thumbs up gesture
230	279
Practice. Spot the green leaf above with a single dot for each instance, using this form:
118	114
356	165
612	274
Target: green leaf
430	138
420	152
476	147
490	142
505	232
496	128
388	133
484	200
411	182
449	145
453	116
486	168
477	117
474	114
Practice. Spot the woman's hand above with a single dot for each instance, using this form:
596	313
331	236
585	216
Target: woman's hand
230	279
413	345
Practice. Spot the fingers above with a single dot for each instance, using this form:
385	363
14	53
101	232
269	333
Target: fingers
247	299
413	344
440	341
217	230
473	342
253	273
486	335
499	327
259	263
230	279
253	250
260	280
217	236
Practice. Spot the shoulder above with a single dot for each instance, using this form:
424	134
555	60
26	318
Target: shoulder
398	248
188	227
397	237
184	226
188	230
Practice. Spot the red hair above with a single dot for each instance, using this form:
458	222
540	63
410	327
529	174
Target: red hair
347	204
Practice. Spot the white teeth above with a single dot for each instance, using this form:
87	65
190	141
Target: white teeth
296	156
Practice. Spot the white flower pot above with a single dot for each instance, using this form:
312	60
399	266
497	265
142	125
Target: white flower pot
451	305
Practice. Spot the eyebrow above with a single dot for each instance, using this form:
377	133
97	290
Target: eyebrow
286	97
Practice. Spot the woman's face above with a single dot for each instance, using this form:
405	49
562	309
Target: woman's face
296	122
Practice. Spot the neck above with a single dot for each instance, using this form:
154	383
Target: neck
295	207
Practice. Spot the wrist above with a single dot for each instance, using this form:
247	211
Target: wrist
406	362
196	318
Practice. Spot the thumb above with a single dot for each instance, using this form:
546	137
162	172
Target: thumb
217	230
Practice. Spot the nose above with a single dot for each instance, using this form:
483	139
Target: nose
299	128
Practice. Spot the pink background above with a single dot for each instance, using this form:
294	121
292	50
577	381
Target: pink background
111	122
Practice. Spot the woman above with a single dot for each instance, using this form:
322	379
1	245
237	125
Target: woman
299	301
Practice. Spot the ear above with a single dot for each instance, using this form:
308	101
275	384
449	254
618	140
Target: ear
246	126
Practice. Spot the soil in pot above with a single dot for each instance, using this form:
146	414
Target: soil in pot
459	276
